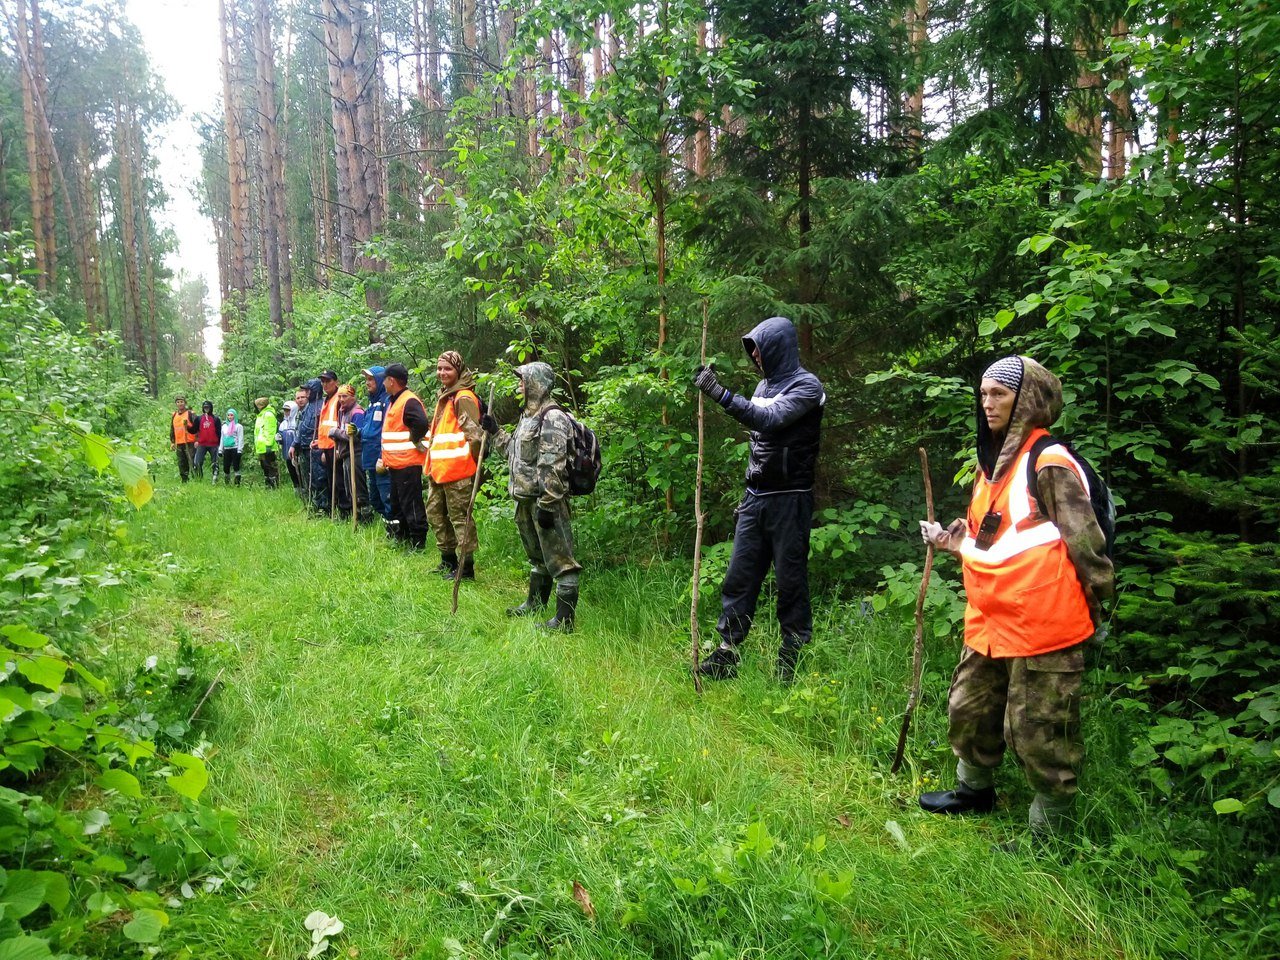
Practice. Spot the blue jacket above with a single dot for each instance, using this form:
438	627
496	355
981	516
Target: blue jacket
784	414
370	422
309	416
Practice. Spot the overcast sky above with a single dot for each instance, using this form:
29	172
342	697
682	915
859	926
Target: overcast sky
182	41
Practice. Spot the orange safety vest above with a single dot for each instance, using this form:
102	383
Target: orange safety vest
328	421
180	432
450	456
1024	595
398	450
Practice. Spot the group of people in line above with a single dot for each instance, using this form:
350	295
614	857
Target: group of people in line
196	439
1034	558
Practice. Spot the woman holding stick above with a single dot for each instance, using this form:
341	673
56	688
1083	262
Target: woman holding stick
1035	573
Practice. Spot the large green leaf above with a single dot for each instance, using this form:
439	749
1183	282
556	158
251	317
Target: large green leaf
97	450
24	948
194	778
132	471
21	636
46	672
121	781
146	925
23	893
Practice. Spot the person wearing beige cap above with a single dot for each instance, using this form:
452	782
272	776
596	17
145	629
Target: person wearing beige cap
264	442
452	449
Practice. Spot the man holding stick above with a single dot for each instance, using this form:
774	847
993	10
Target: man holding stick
403	455
784	415
453	445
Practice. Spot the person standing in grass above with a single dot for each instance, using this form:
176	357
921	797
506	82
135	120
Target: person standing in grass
285	433
404	453
264	442
452	448
370	424
208	434
1036	573
346	439
182	436
322	444
232	447
538	455
784	415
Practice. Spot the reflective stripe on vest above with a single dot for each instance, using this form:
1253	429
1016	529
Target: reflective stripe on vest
328	421
1024	595
180	432
450	455
398	450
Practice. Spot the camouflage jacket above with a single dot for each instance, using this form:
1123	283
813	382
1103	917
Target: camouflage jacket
538	451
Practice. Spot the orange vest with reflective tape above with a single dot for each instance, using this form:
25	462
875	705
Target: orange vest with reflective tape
1024	595
328	421
180	432
398	450
450	457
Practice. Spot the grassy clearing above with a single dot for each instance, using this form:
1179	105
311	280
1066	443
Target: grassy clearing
440	784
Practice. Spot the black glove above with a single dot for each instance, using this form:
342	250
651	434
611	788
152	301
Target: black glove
546	519
488	424
705	380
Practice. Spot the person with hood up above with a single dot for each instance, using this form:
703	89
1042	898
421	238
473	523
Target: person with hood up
208	436
308	420
346	438
404	453
538	456
182	436
264	442
1036	573
232	447
784	415
322	445
370	424
285	433
453	446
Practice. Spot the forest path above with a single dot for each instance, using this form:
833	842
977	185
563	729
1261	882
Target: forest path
440	783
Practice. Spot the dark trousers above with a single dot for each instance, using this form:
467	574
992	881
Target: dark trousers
343	486
185	452
321	472
772	529
211	453
379	487
294	476
270	468
407	506
231	465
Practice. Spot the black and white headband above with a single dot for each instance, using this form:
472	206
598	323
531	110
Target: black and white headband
1006	371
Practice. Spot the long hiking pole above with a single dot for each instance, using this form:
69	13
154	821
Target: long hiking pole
698	521
917	656
355	494
333	484
471	504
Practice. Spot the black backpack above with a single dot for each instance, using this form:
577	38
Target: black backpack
584	453
1104	505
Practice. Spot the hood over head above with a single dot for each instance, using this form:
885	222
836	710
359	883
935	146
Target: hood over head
231	413
290	408
379	374
314	390
1038	403
538	379
778	344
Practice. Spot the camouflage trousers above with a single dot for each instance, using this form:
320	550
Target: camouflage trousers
1029	704
449	516
549	551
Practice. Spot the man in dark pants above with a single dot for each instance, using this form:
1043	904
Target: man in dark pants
403	454
773	520
182	436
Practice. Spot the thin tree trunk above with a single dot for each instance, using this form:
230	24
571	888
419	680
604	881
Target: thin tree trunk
268	148
917	19
1121	114
239	279
35	155
132	293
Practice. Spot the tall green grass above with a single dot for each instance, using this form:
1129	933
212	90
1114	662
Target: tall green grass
441	783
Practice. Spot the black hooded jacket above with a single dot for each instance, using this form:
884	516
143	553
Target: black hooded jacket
784	414
309	416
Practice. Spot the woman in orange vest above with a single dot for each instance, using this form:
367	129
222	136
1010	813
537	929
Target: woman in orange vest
453	445
1035	582
182	436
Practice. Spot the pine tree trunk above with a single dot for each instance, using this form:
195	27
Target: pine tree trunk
1084	114
35	159
240	271
1121	114
40	79
131	311
268	150
917	20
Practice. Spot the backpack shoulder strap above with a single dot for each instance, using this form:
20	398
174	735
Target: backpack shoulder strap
1033	487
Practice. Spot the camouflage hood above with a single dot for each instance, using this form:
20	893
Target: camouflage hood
538	379
1038	404
466	381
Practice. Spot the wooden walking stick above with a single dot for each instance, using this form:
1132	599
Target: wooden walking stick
355	496
471	504
917	656
698	521
333	484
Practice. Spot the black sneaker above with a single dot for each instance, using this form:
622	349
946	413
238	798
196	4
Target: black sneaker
721	665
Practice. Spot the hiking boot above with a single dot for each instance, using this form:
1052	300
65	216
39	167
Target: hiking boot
788	654
566	606
721	665
448	564
468	569
963	799
539	594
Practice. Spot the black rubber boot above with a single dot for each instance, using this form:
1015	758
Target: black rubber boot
963	799
566	606
788	654
539	594
721	665
448	564
468	571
